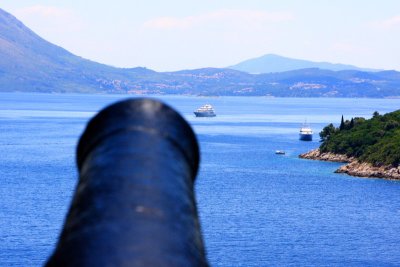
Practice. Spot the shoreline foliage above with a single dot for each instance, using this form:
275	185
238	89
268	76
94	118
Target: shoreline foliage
376	140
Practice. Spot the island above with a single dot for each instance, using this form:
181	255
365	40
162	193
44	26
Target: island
369	147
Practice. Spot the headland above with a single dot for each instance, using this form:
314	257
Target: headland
353	166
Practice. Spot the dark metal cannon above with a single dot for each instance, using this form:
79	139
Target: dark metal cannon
134	204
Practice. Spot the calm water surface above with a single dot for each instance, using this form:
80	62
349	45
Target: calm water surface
256	208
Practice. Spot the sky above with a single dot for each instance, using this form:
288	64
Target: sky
187	34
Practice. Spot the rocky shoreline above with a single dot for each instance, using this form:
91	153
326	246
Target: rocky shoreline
353	166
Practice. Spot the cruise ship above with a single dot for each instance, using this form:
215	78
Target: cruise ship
205	111
305	133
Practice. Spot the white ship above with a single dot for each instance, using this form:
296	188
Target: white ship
306	133
205	111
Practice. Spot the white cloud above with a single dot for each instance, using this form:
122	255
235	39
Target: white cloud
388	24
44	11
227	16
167	23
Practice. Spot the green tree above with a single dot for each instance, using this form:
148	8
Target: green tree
351	123
376	140
326	132
341	127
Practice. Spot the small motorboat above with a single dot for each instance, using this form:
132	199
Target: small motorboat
280	152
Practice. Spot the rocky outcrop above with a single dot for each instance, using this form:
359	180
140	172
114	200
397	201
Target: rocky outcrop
365	169
317	155
354	167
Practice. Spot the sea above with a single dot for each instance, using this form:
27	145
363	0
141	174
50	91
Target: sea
256	208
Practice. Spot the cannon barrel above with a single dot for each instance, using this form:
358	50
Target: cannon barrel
134	204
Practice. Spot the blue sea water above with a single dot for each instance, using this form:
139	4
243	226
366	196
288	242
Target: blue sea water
256	208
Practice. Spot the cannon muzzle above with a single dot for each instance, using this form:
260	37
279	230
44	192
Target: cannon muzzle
134	204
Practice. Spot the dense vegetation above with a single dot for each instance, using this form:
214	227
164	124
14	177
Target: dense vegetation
376	140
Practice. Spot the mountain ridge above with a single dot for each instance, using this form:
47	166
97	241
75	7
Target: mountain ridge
31	64
270	63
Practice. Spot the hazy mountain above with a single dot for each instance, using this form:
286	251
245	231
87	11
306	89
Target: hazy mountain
31	64
274	63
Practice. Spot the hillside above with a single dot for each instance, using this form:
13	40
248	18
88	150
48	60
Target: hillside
31	64
274	63
376	140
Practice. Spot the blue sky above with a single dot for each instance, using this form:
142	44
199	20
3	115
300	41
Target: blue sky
173	35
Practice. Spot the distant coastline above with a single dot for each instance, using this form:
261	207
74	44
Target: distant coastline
353	166
42	67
